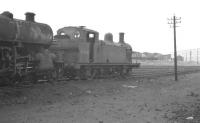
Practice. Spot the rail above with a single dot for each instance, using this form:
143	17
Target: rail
157	71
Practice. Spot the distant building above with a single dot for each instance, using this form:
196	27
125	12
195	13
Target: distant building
165	57
136	55
180	58
150	56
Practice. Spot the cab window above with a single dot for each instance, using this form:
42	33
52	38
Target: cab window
90	37
77	34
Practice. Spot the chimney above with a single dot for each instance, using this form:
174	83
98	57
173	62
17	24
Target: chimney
121	37
30	16
108	37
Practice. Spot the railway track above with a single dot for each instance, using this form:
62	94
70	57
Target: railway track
158	71
148	72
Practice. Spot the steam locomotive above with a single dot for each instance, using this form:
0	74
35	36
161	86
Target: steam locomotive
78	50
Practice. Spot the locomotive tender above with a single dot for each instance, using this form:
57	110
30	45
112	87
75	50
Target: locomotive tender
79	52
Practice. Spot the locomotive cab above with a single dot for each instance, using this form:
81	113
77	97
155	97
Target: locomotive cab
74	46
78	40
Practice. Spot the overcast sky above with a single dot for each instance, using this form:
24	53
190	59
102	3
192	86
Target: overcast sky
143	21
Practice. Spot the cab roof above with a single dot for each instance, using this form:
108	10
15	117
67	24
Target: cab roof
79	28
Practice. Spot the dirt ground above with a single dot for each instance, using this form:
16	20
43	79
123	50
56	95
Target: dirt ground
155	100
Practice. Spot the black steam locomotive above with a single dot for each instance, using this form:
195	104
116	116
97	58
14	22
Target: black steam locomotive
78	52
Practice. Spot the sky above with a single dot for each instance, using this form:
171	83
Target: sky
144	22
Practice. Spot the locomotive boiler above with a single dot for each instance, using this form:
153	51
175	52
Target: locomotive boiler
81	54
20	40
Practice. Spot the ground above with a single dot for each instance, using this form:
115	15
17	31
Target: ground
153	100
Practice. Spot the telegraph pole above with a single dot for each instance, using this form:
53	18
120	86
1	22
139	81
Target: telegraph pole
197	56
173	21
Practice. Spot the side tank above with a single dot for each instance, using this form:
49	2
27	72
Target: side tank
26	31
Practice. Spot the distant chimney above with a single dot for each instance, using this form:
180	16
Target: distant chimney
108	37
7	14
30	16
121	37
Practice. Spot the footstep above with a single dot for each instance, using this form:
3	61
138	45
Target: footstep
129	86
190	118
